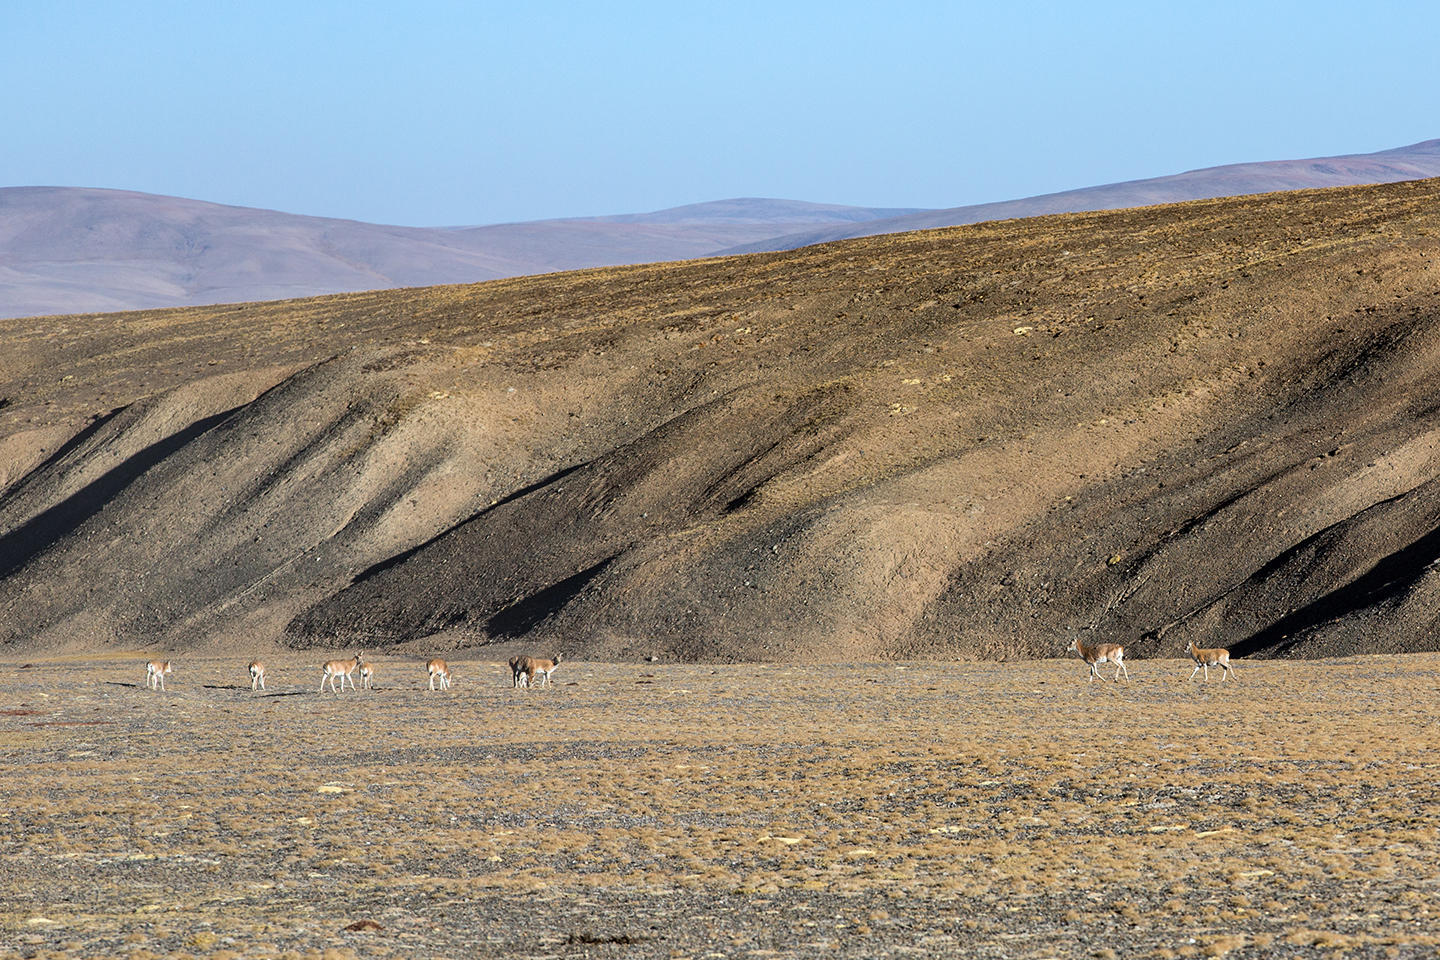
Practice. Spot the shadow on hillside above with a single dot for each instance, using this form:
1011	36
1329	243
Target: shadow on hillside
376	569
85	434
44	529
1391	577
520	618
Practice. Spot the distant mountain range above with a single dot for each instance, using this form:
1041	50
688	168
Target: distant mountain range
80	250
1415	162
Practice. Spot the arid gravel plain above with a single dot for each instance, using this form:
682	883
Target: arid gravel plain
657	810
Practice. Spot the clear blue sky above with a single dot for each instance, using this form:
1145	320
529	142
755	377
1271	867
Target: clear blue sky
430	112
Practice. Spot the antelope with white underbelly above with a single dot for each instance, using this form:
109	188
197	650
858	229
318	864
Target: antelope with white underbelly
1098	653
1205	659
524	669
155	672
342	669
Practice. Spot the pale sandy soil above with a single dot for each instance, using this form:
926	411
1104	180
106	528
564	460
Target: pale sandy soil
987	810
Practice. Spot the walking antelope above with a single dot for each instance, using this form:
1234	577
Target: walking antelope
257	675
155	672
341	669
439	670
1205	659
1096	654
367	676
526	668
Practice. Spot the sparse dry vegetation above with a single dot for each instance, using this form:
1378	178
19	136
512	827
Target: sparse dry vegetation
1208	423
987	810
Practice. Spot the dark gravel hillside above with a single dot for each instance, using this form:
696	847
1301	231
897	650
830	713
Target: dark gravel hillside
1213	421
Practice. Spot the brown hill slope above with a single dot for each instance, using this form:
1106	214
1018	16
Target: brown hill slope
1212	420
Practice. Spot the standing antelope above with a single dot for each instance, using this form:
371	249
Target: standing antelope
155	672
545	668
341	669
519	667
525	668
367	676
1096	654
439	670
1205	659
257	675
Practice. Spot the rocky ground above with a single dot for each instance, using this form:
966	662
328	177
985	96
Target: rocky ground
895	809
1210	421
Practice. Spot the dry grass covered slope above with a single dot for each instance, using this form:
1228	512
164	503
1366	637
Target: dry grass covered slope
1212	421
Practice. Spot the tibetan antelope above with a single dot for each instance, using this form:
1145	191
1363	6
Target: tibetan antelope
367	676
341	669
439	670
1205	659
257	675
526	668
1096	654
155	672
519	667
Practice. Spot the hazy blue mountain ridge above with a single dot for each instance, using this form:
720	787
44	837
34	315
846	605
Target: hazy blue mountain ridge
1415	162
81	250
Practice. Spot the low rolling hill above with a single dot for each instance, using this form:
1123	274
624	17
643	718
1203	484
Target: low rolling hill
1210	421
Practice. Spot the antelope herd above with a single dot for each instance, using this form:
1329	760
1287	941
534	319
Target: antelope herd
524	670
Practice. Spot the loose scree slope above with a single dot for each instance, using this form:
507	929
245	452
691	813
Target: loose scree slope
1211	421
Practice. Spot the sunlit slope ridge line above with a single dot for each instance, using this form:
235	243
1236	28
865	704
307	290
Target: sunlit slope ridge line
1208	421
